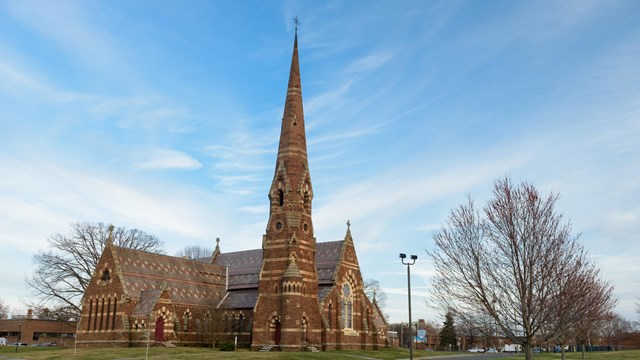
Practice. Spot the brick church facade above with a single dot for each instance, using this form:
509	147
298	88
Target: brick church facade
293	293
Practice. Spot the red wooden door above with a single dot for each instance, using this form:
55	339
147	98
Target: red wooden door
159	329
277	333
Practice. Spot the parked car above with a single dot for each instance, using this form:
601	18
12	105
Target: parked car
19	344
492	351
476	350
558	348
3	341
512	348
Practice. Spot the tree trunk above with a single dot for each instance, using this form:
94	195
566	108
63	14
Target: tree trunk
528	351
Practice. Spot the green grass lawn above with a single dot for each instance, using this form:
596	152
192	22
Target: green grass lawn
203	353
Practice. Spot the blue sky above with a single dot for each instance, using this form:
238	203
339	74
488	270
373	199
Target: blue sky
164	116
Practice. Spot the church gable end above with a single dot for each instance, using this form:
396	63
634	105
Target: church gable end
104	303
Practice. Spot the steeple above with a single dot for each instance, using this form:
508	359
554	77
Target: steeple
291	185
288	285
293	142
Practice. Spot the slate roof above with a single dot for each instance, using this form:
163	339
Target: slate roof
327	256
378	319
148	300
323	291
240	299
201	283
244	268
187	281
244	272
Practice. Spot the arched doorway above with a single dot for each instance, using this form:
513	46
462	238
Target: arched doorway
303	333
277	333
159	335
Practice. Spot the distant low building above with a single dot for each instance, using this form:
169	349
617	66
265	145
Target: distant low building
29	330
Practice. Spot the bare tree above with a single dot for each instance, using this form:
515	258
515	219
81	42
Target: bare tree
64	270
195	252
216	322
4	309
373	291
616	329
638	312
590	303
469	328
510	262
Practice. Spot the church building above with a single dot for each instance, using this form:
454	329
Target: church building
291	294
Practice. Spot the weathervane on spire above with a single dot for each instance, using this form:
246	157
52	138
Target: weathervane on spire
296	22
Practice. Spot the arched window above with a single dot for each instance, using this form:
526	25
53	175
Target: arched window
115	312
101	313
280	197
307	201
207	319
303	331
347	306
106	325
330	315
185	318
90	313
95	315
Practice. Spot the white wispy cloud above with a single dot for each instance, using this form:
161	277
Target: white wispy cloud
22	81
259	209
344	136
397	195
58	193
73	28
371	62
144	111
162	159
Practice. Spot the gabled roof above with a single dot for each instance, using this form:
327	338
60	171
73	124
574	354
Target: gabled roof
148	300
241	299
244	272
378	317
323	291
244	268
187	281
327	256
199	282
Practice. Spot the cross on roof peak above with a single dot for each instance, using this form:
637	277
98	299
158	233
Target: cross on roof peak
296	22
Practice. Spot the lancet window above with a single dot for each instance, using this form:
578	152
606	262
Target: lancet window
347	306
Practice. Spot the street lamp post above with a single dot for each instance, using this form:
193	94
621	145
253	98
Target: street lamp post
413	258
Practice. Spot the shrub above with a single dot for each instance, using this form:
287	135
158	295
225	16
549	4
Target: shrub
227	346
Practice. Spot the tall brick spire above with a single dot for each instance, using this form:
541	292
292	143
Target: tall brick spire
288	286
293	141
291	191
